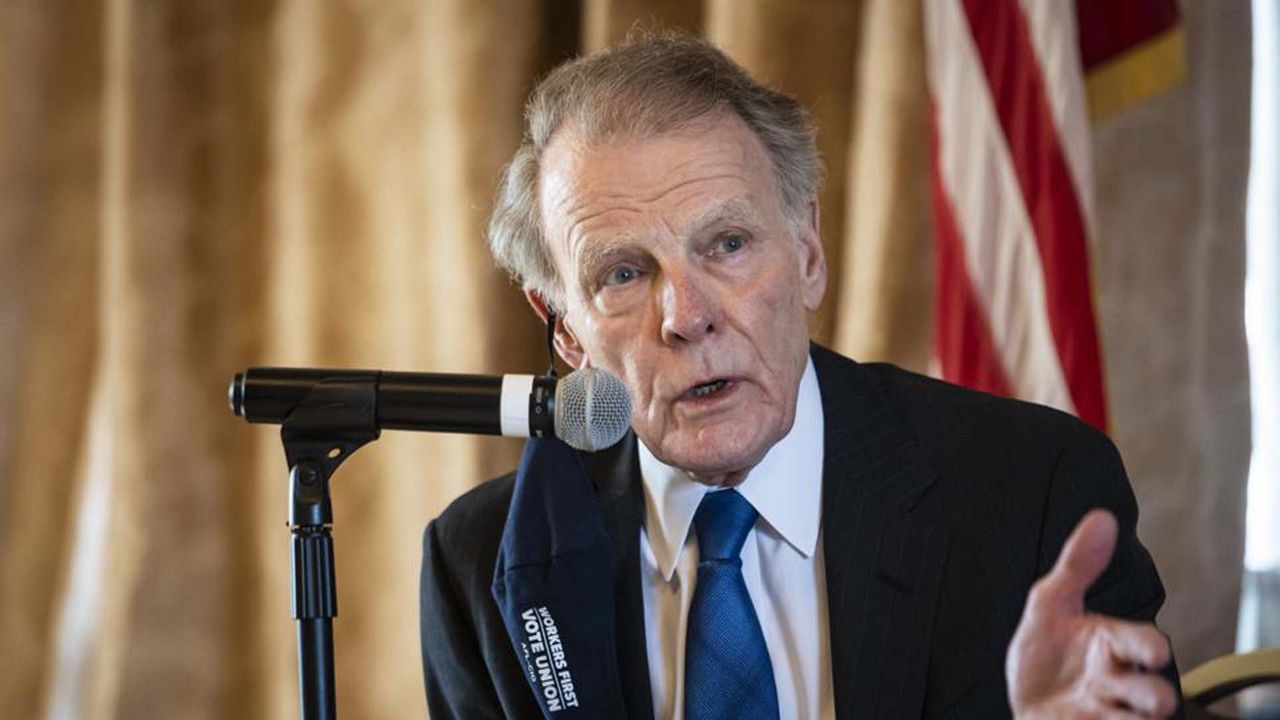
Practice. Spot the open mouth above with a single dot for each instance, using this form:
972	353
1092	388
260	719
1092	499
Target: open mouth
708	389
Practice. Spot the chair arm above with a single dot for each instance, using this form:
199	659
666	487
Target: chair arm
1225	675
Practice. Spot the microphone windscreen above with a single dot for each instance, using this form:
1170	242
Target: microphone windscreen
593	409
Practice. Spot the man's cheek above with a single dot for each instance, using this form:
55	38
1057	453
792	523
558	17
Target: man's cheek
772	318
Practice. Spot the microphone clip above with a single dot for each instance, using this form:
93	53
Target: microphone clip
336	418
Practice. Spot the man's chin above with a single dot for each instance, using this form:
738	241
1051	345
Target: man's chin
714	456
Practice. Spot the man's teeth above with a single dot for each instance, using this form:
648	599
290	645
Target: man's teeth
709	388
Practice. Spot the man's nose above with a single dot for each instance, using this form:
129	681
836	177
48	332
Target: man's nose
689	311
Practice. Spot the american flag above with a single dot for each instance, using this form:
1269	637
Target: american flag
1012	181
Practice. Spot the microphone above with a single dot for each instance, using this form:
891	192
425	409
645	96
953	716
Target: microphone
589	409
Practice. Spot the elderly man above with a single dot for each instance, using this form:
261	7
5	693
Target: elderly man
799	536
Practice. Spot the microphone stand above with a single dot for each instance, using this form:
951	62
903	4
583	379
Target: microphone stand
336	418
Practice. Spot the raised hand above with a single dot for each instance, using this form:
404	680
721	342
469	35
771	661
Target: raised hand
1065	662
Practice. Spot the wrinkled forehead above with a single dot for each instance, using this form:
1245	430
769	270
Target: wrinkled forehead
591	246
688	176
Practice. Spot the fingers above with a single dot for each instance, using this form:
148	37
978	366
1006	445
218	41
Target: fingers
1084	557
1134	644
1118	714
1141	694
1121	653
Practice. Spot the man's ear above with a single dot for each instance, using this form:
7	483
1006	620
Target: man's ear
567	345
813	259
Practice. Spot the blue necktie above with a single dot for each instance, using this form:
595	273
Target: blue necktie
727	673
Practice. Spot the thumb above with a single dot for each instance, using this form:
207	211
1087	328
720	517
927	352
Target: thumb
1084	557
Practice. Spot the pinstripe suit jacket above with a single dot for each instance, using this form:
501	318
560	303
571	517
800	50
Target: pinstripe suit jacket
941	507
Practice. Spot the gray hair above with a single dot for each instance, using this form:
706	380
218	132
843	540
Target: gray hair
647	86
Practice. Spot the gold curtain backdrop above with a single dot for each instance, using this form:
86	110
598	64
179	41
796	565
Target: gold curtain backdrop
190	188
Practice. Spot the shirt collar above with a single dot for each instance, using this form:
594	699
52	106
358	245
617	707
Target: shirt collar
785	487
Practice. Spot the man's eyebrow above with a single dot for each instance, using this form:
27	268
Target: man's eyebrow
596	253
733	209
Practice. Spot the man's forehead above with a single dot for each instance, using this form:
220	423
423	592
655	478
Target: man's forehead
598	238
698	173
635	163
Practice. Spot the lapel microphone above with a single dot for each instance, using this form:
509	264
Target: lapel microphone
589	409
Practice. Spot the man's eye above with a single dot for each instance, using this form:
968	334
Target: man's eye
730	243
621	275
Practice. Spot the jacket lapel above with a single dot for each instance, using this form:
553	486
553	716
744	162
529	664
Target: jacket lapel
884	553
616	473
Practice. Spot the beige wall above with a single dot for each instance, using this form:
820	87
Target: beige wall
1169	263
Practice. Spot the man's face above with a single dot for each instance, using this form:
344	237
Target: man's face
683	276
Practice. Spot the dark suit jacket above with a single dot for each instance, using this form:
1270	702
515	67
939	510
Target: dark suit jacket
941	506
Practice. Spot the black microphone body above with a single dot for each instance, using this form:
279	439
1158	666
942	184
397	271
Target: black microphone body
435	402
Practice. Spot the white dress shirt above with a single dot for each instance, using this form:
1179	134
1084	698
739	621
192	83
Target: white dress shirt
781	563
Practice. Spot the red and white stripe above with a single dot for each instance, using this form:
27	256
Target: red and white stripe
1012	194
